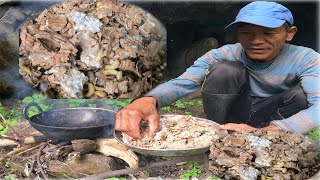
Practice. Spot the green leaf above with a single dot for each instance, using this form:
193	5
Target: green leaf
13	122
92	105
110	101
37	100
35	95
314	134
74	105
120	103
7	164
188	113
27	99
10	177
165	108
4	131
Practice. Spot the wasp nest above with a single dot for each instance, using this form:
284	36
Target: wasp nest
92	49
264	155
178	132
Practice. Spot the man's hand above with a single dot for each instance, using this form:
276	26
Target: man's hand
237	127
128	119
245	127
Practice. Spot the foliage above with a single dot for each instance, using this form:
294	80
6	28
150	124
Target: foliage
314	134
6	170
165	108
11	117
10	177
179	104
166	158
119	103
182	104
188	113
195	170
36	98
74	103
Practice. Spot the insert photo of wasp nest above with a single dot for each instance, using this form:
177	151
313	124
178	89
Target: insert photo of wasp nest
93	49
264	155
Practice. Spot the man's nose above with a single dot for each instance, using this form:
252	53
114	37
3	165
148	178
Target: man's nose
256	38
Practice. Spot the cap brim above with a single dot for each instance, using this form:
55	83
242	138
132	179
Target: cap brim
260	21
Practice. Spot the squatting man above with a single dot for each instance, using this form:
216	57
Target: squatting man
262	82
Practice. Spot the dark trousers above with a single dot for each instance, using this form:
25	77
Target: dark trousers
226	98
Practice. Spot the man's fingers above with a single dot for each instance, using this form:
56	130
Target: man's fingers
128	122
134	134
237	127
153	124
228	126
117	125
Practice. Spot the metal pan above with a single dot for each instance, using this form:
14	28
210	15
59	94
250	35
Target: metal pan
171	152
72	123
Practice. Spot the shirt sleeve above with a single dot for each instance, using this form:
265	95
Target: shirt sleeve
308	119
169	92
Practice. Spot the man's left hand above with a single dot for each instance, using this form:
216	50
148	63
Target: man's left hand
245	127
237	127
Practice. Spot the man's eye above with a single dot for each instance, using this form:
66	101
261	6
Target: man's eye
269	33
244	32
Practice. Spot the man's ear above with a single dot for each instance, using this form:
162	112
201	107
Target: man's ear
291	32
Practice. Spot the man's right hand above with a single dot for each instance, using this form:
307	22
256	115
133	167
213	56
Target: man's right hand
128	119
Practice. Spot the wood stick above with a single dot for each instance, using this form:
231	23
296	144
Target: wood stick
11	156
29	149
27	140
153	165
39	162
31	167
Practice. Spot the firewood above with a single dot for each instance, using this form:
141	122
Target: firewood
111	147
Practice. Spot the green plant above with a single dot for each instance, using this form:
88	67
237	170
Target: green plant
92	105
188	113
195	170
36	98
10	177
119	103
166	158
314	134
74	103
11	117
165	108
180	104
146	173
7	164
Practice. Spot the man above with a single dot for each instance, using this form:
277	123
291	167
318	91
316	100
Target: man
260	83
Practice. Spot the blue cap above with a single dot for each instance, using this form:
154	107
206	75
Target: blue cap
263	13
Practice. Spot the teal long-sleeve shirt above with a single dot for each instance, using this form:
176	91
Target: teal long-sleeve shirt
294	65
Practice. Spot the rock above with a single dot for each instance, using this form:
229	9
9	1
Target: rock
83	145
78	165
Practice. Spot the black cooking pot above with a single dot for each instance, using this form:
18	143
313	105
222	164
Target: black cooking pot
72	123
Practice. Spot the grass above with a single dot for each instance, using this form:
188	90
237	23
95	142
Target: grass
194	170
314	134
11	117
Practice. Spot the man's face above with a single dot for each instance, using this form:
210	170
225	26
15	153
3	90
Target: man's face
261	43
